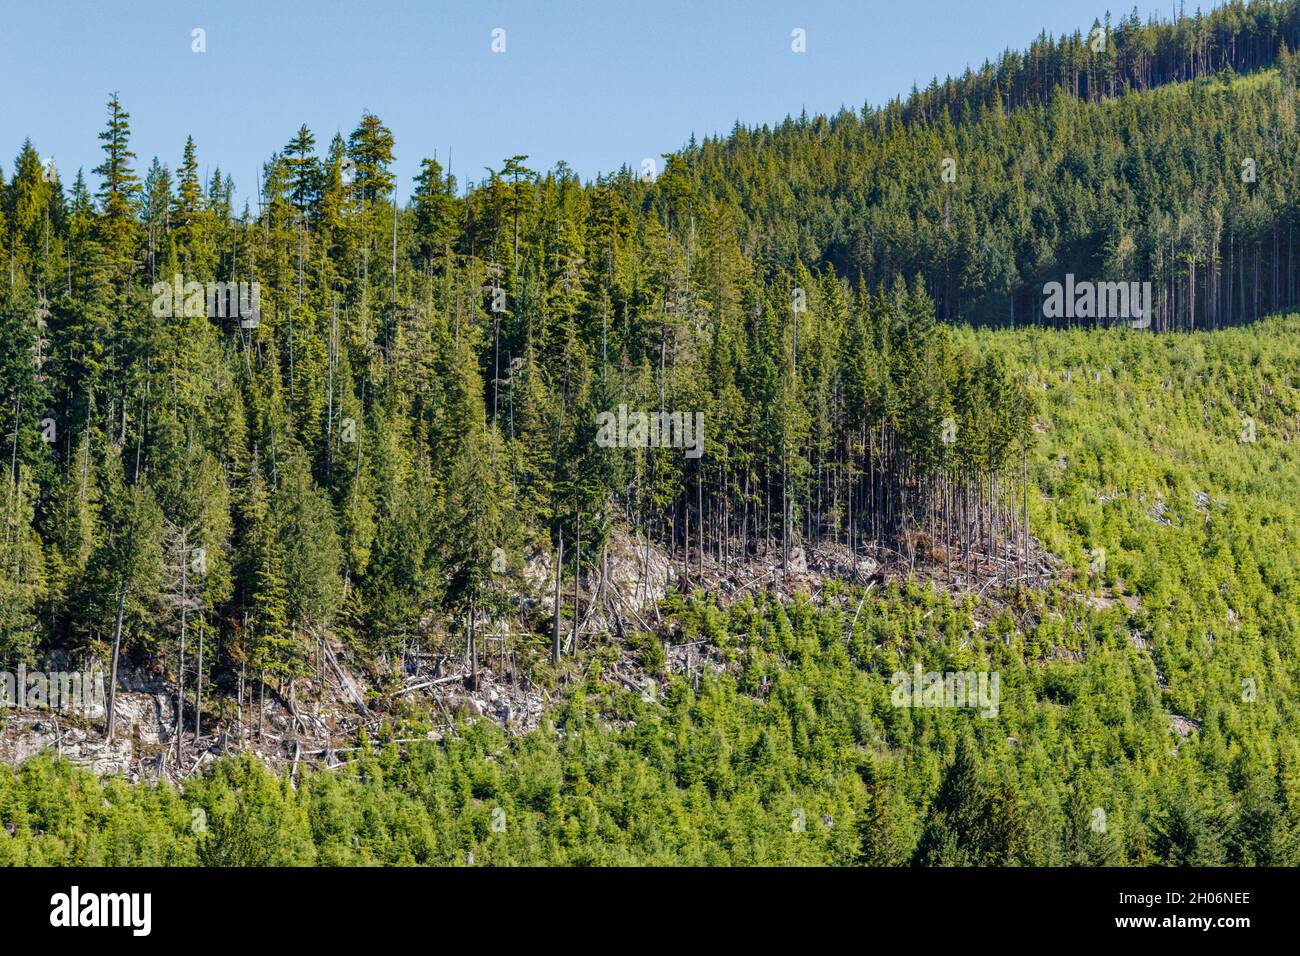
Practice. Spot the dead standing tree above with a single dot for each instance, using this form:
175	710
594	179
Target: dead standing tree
183	570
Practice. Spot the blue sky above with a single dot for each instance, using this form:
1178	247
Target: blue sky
596	84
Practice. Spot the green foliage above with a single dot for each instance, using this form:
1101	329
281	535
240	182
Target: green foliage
414	413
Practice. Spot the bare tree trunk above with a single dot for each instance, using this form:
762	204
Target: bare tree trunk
112	677
473	648
555	635
198	688
180	671
577	578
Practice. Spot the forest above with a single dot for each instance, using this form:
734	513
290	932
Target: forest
796	754
376	456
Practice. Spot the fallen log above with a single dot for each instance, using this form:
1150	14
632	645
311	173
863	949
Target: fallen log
346	681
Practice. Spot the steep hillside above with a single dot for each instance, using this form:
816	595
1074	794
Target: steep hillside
1144	710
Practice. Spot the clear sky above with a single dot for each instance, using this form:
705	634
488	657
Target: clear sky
596	84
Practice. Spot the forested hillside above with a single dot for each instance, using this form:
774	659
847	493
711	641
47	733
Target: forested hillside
404	420
795	753
1050	161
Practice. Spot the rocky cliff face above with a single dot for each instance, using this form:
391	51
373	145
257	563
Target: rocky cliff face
146	721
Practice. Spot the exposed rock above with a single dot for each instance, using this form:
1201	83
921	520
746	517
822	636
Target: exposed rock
1183	726
637	569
